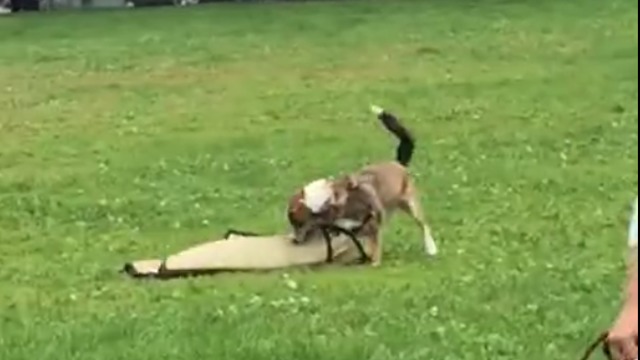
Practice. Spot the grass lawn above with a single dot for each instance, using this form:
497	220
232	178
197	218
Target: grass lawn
129	134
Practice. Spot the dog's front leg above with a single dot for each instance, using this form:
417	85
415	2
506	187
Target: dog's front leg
303	233
374	224
372	232
376	249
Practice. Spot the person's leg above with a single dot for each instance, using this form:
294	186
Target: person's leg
623	336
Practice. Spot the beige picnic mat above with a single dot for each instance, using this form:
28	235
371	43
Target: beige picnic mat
247	253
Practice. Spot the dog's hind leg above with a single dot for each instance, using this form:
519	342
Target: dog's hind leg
376	249
411	206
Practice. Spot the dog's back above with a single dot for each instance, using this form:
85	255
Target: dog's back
390	179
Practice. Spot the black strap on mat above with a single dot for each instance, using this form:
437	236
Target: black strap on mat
602	339
327	231
231	232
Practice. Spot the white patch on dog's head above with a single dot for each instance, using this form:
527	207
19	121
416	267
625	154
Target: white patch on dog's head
317	194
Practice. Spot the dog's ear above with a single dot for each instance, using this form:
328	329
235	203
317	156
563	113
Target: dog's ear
352	182
296	202
296	198
297	210
341	190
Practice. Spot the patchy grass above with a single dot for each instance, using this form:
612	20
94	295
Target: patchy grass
129	134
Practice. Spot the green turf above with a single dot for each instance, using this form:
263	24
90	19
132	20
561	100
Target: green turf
130	134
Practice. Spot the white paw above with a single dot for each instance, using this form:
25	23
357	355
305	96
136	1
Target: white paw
430	247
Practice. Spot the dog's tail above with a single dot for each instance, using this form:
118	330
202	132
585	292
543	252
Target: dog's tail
404	151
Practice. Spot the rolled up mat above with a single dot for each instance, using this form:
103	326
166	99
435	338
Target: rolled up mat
247	253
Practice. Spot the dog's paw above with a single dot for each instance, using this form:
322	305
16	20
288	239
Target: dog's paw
430	246
431	252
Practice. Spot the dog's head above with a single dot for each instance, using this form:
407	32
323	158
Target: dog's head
319	203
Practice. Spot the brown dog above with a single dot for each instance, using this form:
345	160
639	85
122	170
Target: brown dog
365	199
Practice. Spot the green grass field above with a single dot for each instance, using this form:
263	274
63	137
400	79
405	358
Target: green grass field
131	134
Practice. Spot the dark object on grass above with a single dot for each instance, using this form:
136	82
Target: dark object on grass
25	5
601	340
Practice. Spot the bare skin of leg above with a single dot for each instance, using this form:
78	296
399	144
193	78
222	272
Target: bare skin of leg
623	336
